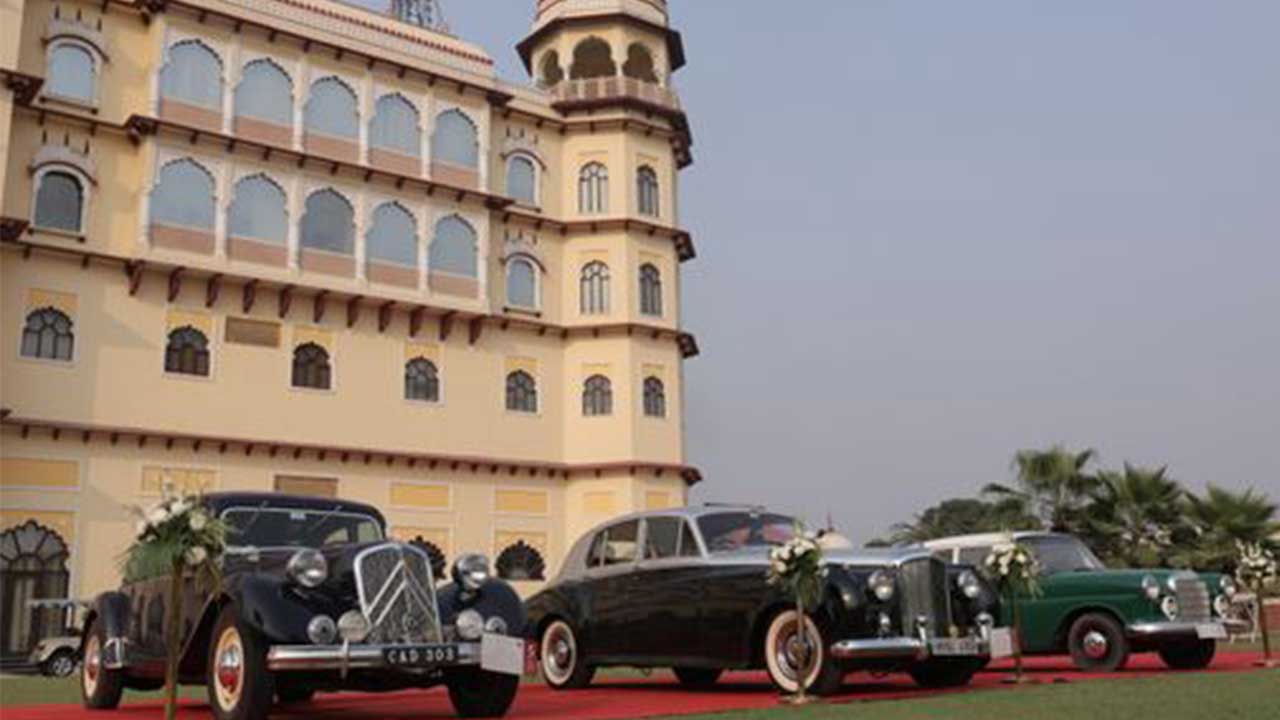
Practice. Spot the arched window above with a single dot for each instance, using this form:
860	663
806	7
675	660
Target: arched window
393	235
597	396
592	58
522	283
552	73
639	64
265	93
328	223
59	201
33	566
258	210
47	335
187	352
655	398
193	75
453	250
520	562
522	392
72	73
434	554
594	289
395	126
647	191
421	380
311	367
455	140
650	290
331	109
522	179
184	196
593	189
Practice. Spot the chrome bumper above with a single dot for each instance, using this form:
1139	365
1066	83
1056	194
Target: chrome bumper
1177	629
300	658
898	648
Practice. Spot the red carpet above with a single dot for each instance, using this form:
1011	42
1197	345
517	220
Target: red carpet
622	699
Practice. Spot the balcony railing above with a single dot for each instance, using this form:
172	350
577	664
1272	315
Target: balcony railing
604	90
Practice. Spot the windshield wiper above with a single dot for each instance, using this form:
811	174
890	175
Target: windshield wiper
323	519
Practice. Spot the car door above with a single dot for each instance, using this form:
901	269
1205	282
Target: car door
611	580
668	591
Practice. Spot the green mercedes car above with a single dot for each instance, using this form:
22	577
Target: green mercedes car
1099	615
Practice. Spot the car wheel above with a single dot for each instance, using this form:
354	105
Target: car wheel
239	686
935	674
784	655
697	677
61	664
1192	655
563	666
100	688
293	694
1097	643
476	693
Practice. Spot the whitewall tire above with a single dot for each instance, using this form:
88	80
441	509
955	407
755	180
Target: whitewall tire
784	656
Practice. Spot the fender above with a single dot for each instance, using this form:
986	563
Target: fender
547	604
263	603
495	598
112	608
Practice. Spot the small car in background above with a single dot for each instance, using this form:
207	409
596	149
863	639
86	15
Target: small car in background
1100	615
312	597
58	655
685	589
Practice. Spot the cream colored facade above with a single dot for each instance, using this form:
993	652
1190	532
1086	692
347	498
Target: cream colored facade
86	436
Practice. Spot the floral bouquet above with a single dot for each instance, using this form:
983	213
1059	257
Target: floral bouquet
1257	570
175	536
796	567
1015	570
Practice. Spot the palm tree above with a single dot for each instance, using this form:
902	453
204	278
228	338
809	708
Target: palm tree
961	516
1135	516
1220	519
1052	484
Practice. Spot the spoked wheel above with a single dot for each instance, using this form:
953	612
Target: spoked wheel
788	654
563	666
240	688
62	664
1097	643
100	687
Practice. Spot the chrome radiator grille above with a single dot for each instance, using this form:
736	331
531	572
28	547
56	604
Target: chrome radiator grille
1193	600
397	594
923	587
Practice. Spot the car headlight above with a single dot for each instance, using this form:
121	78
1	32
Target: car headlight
1169	606
1227	586
308	568
969	585
1222	605
471	572
353	626
495	626
881	585
321	630
470	625
1151	587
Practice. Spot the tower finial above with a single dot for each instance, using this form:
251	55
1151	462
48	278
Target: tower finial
423	13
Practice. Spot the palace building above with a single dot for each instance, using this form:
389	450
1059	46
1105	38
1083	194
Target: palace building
304	247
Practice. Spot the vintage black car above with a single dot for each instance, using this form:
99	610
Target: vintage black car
686	589
312	598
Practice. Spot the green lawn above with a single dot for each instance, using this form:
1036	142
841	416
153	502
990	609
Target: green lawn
1238	696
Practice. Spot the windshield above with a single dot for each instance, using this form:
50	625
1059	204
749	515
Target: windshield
276	527
1059	554
730	531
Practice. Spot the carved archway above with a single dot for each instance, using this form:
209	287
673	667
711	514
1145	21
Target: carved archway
433	552
33	566
521	561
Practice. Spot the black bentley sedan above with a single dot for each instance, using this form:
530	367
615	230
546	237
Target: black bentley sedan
686	589
312	598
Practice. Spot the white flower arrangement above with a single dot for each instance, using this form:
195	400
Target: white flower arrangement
1257	565
797	562
1013	567
175	528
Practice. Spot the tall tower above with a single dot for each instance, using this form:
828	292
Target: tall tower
606	68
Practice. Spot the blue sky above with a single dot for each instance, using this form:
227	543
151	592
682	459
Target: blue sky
933	233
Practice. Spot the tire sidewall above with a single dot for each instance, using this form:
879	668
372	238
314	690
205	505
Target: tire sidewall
109	685
50	665
577	674
1117	644
773	636
257	686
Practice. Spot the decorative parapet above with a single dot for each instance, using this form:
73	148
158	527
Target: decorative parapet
654	11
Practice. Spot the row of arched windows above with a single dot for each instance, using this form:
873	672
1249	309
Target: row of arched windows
593	190
518	561
193	75
184	196
593	58
593	289
597	395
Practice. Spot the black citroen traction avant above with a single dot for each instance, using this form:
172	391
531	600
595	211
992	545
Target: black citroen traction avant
686	589
313	597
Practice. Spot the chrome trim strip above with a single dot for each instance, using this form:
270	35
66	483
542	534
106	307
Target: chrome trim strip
297	658
1164	629
880	649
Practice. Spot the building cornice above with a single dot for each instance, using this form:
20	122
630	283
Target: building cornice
59	430
290	296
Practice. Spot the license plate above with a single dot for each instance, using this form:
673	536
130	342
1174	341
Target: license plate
1001	643
420	656
1211	631
952	647
502	654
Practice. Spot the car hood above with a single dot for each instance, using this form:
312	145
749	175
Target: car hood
1121	579
838	556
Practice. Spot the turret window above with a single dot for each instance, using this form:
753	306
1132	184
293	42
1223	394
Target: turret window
597	396
594	289
193	75
552	73
265	93
311	368
593	189
522	392
650	290
187	352
655	398
59	201
47	335
639	64
331	109
592	58
647	191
